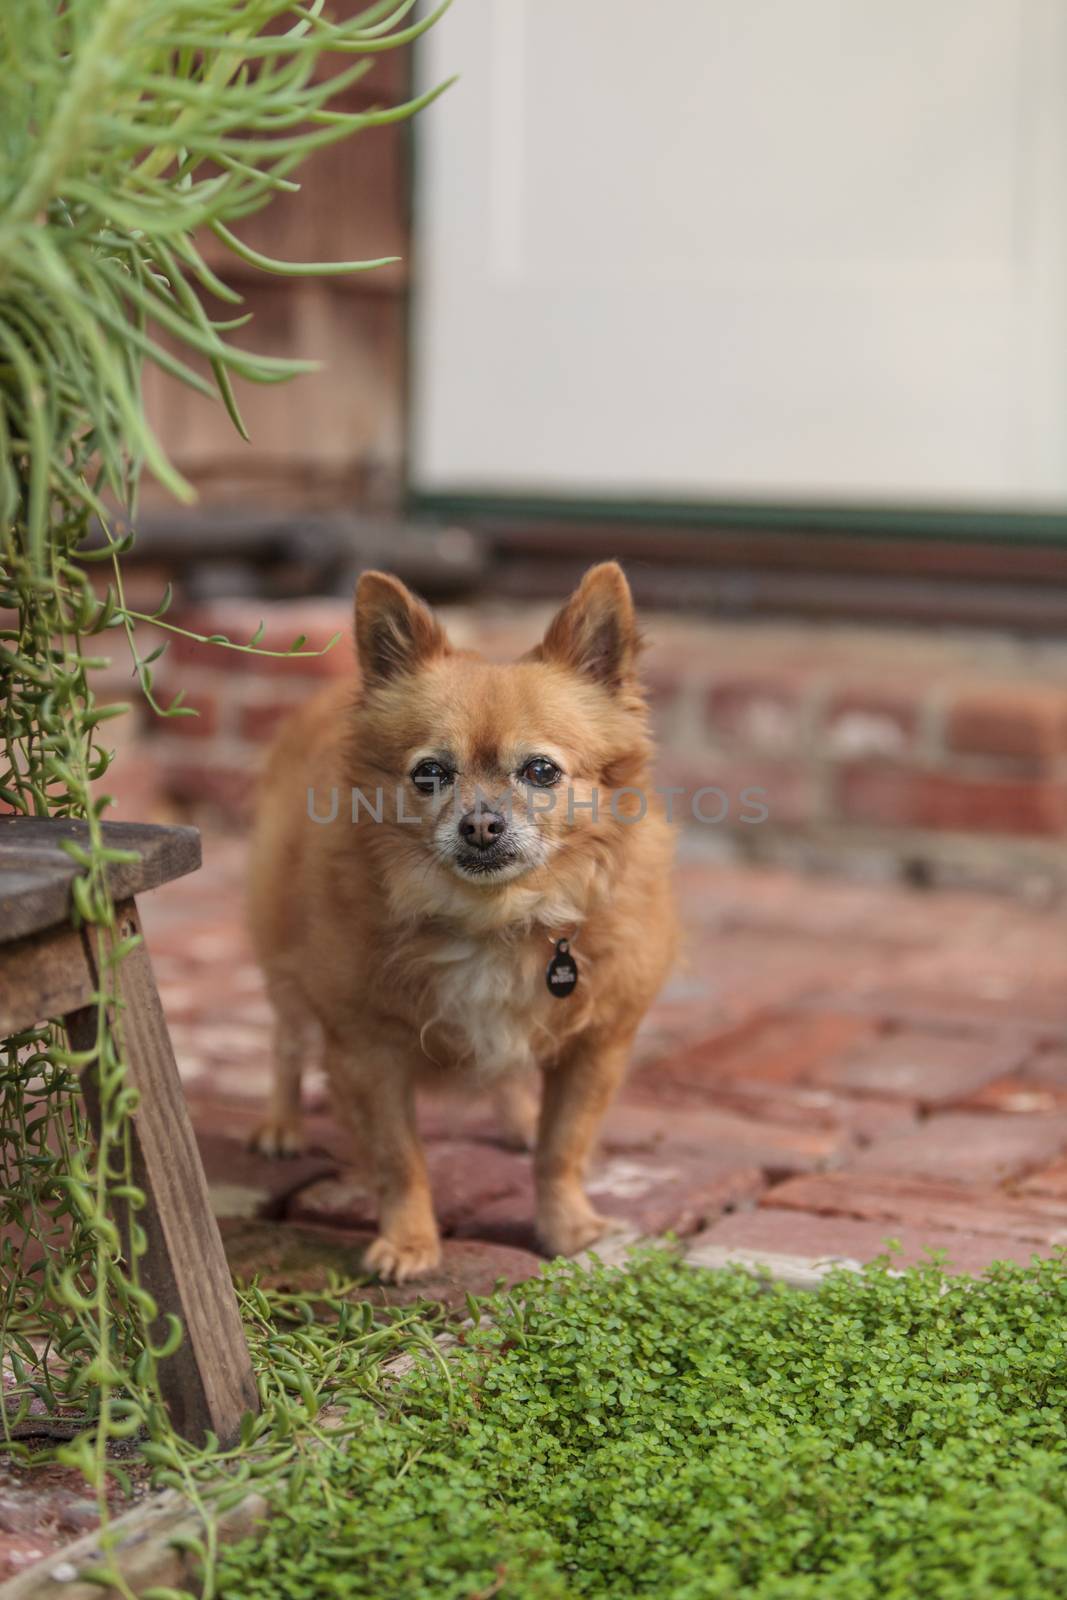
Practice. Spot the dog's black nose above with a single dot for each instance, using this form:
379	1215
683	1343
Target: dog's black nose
480	828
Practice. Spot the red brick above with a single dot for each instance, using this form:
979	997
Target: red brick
969	1147
243	1183
459	1116
885	796
44	1505
866	1117
650	1121
776	902
924	1203
259	720
1015	1095
1038	1013
656	1170
786	788
808	1234
737	973
222	1118
133	778
508	1221
645	1176
763	713
135	784
283	1255
777	1147
346	1200
20	1509
933	1068
19	1551
664	678
1048	1070
1051	1180
465	1177
1040	1086
677	1190
673	1188
869	1117
785	1049
859	723
1023	722
674	1022
44	1502
221	787
231	1057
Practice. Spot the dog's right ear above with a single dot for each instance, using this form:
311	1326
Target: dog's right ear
395	632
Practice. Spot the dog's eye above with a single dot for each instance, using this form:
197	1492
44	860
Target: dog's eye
541	772
429	776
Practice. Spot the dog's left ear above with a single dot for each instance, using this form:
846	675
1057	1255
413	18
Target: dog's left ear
596	631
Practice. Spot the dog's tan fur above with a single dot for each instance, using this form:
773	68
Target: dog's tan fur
414	973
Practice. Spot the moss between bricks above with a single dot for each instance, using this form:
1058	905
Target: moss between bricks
689	1434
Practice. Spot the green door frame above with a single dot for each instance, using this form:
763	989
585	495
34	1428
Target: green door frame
943	524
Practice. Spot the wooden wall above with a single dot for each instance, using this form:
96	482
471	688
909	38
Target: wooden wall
334	437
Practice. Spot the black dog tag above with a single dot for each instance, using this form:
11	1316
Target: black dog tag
561	974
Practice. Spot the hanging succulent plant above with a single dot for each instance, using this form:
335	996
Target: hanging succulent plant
129	129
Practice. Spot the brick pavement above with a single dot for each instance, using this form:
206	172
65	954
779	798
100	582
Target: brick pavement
832	1065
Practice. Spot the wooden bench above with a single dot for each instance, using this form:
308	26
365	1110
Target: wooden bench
48	969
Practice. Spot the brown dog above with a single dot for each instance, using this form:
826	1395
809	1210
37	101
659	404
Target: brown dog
480	815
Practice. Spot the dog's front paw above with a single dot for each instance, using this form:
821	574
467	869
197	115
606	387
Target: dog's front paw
566	1226
278	1139
400	1260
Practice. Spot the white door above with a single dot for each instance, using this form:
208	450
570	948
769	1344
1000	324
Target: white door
776	250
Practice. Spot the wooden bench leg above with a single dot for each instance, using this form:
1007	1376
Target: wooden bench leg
208	1382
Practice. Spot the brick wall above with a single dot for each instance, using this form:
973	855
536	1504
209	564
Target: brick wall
912	744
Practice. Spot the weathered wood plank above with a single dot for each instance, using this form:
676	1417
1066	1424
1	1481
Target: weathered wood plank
36	874
43	976
143	1550
208	1383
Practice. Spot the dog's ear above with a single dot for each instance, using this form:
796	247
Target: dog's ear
395	631
596	631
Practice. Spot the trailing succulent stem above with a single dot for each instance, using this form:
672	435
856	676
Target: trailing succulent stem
130	132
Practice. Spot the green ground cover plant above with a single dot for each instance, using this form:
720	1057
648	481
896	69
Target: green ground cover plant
674	1432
